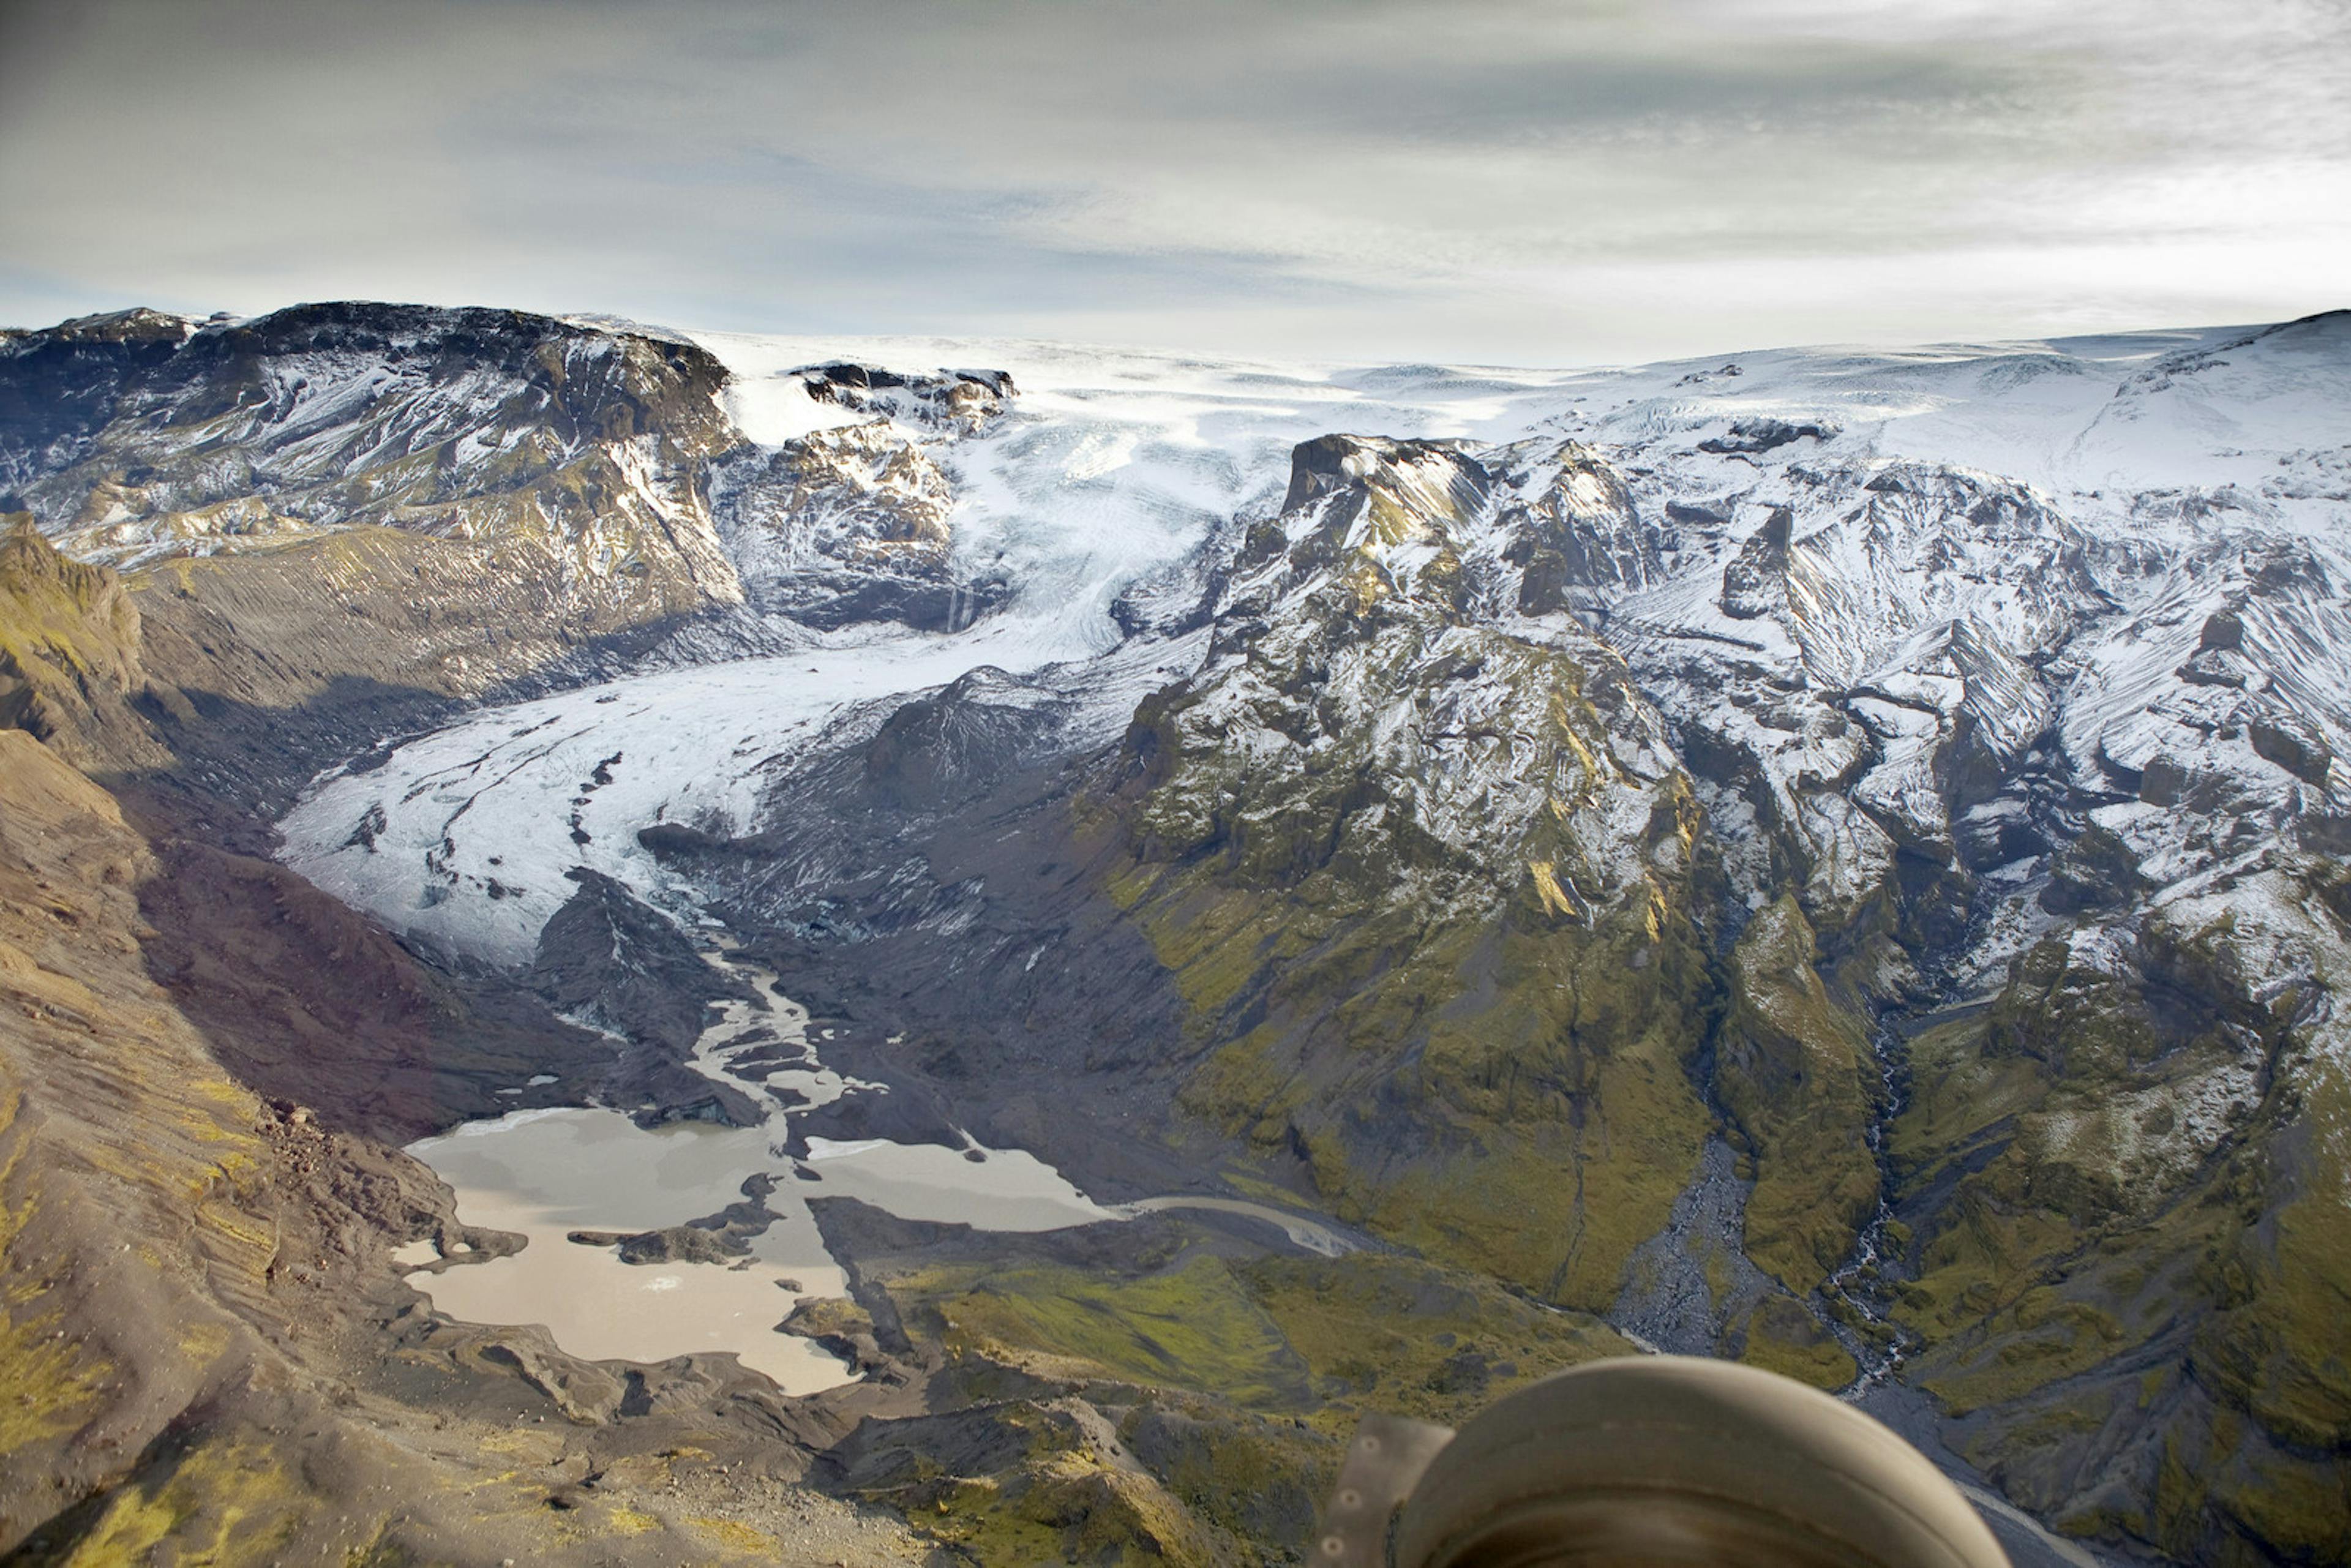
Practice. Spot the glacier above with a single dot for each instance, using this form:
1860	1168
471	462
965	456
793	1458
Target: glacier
2007	534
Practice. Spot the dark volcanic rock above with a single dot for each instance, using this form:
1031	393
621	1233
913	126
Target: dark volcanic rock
2096	870
911	1113
682	1244
2224	630
1755	580
1761	435
714	1239
607	956
1330	464
59	387
1713	516
2296	747
968	399
942	750
675	840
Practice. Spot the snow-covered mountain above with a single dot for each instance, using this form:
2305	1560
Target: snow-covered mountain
1832	562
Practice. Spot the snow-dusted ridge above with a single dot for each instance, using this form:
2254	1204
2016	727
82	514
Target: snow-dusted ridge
2014	536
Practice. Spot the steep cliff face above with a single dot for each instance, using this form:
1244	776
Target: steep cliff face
177	1249
1425	877
2125	1181
337	520
70	644
461	425
358	512
851	524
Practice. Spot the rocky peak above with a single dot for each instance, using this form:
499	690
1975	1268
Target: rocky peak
1380	522
1349	644
137	325
1755	581
851	522
1574	530
69	651
1430	482
956	401
59	384
1369	768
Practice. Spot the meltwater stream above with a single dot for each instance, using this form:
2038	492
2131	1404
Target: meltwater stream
547	1173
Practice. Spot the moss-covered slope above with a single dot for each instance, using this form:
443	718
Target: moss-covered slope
1426	876
2126	1186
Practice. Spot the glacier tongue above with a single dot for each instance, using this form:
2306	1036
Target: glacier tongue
464	836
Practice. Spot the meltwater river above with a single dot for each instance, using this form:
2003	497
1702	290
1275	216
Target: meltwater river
547	1173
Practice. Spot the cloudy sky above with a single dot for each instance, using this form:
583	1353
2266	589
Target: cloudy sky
1507	181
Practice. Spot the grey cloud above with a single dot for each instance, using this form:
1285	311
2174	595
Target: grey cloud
1463	178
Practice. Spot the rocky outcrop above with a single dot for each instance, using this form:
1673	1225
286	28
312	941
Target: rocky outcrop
70	646
953	402
849	524
2124	1204
339	518
464	425
1760	435
1754	583
1427	885
1577	527
610	963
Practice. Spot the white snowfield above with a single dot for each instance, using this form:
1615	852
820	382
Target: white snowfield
2138	544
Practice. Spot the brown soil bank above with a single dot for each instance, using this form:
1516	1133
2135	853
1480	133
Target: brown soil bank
207	1352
